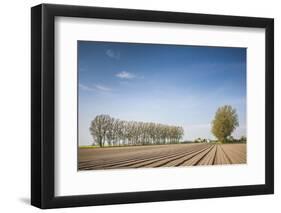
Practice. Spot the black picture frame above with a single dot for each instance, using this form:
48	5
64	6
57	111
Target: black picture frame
43	102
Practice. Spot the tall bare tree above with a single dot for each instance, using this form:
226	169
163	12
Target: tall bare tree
98	129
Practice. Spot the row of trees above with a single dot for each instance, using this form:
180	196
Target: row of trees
114	132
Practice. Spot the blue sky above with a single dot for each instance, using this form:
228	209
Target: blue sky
169	84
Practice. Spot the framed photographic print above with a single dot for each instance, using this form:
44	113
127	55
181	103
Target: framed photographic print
139	106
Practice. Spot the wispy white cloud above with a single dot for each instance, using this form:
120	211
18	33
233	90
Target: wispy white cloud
95	88
86	88
112	54
102	88
125	75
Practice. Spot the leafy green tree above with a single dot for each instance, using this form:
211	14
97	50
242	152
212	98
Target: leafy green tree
224	123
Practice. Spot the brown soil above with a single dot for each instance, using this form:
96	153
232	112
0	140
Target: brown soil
161	156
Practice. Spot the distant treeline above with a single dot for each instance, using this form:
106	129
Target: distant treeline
114	132
229	139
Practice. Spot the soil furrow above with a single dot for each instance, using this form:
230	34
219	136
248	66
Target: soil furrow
171	155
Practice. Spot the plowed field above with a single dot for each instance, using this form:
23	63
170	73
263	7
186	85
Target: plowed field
161	156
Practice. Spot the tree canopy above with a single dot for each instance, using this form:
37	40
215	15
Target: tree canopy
224	123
